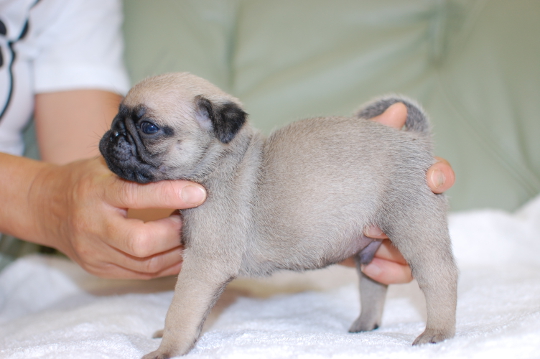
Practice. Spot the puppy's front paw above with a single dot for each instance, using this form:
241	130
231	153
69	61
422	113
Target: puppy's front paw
433	336
364	323
156	355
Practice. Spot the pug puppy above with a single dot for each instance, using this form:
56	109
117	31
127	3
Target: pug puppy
296	200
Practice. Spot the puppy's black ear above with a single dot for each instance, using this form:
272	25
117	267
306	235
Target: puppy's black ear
225	119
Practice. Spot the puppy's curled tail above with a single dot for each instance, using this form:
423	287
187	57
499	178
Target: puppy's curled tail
417	120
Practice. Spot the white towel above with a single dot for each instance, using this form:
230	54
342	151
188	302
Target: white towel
50	308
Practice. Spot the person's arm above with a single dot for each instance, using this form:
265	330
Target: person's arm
388	266
16	177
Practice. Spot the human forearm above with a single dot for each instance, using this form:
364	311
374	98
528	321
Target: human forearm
17	174
69	124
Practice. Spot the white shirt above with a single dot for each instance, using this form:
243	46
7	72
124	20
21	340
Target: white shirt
67	44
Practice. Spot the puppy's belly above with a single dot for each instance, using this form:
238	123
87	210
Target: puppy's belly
300	254
361	245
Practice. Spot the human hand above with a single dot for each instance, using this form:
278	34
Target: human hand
86	219
388	266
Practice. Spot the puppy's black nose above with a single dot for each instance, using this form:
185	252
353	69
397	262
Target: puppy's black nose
118	127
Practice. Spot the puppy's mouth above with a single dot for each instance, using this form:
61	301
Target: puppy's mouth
125	152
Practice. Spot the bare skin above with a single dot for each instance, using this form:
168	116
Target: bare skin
72	202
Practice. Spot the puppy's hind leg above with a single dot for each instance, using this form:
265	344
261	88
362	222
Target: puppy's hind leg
372	294
424	241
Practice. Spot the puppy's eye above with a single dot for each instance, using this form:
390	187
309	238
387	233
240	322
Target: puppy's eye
148	128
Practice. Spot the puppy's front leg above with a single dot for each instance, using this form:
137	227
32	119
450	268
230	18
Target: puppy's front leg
197	290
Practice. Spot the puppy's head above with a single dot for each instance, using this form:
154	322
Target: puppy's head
171	126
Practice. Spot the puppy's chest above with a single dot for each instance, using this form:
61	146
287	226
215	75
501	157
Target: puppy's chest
224	221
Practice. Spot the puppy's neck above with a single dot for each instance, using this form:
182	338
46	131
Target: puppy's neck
237	162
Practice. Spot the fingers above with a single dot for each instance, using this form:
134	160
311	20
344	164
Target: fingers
440	176
163	264
147	249
116	271
128	248
394	116
371	231
374	232
387	272
388	252
137	249
87	220
164	194
111	263
388	266
145	239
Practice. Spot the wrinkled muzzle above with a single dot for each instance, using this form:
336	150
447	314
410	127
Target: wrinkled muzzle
122	149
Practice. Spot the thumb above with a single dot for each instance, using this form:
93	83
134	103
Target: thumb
394	116
163	194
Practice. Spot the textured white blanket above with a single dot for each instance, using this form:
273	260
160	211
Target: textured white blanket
49	308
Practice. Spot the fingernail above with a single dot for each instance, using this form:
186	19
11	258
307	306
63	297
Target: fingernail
372	231
193	194
438	178
176	218
371	270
